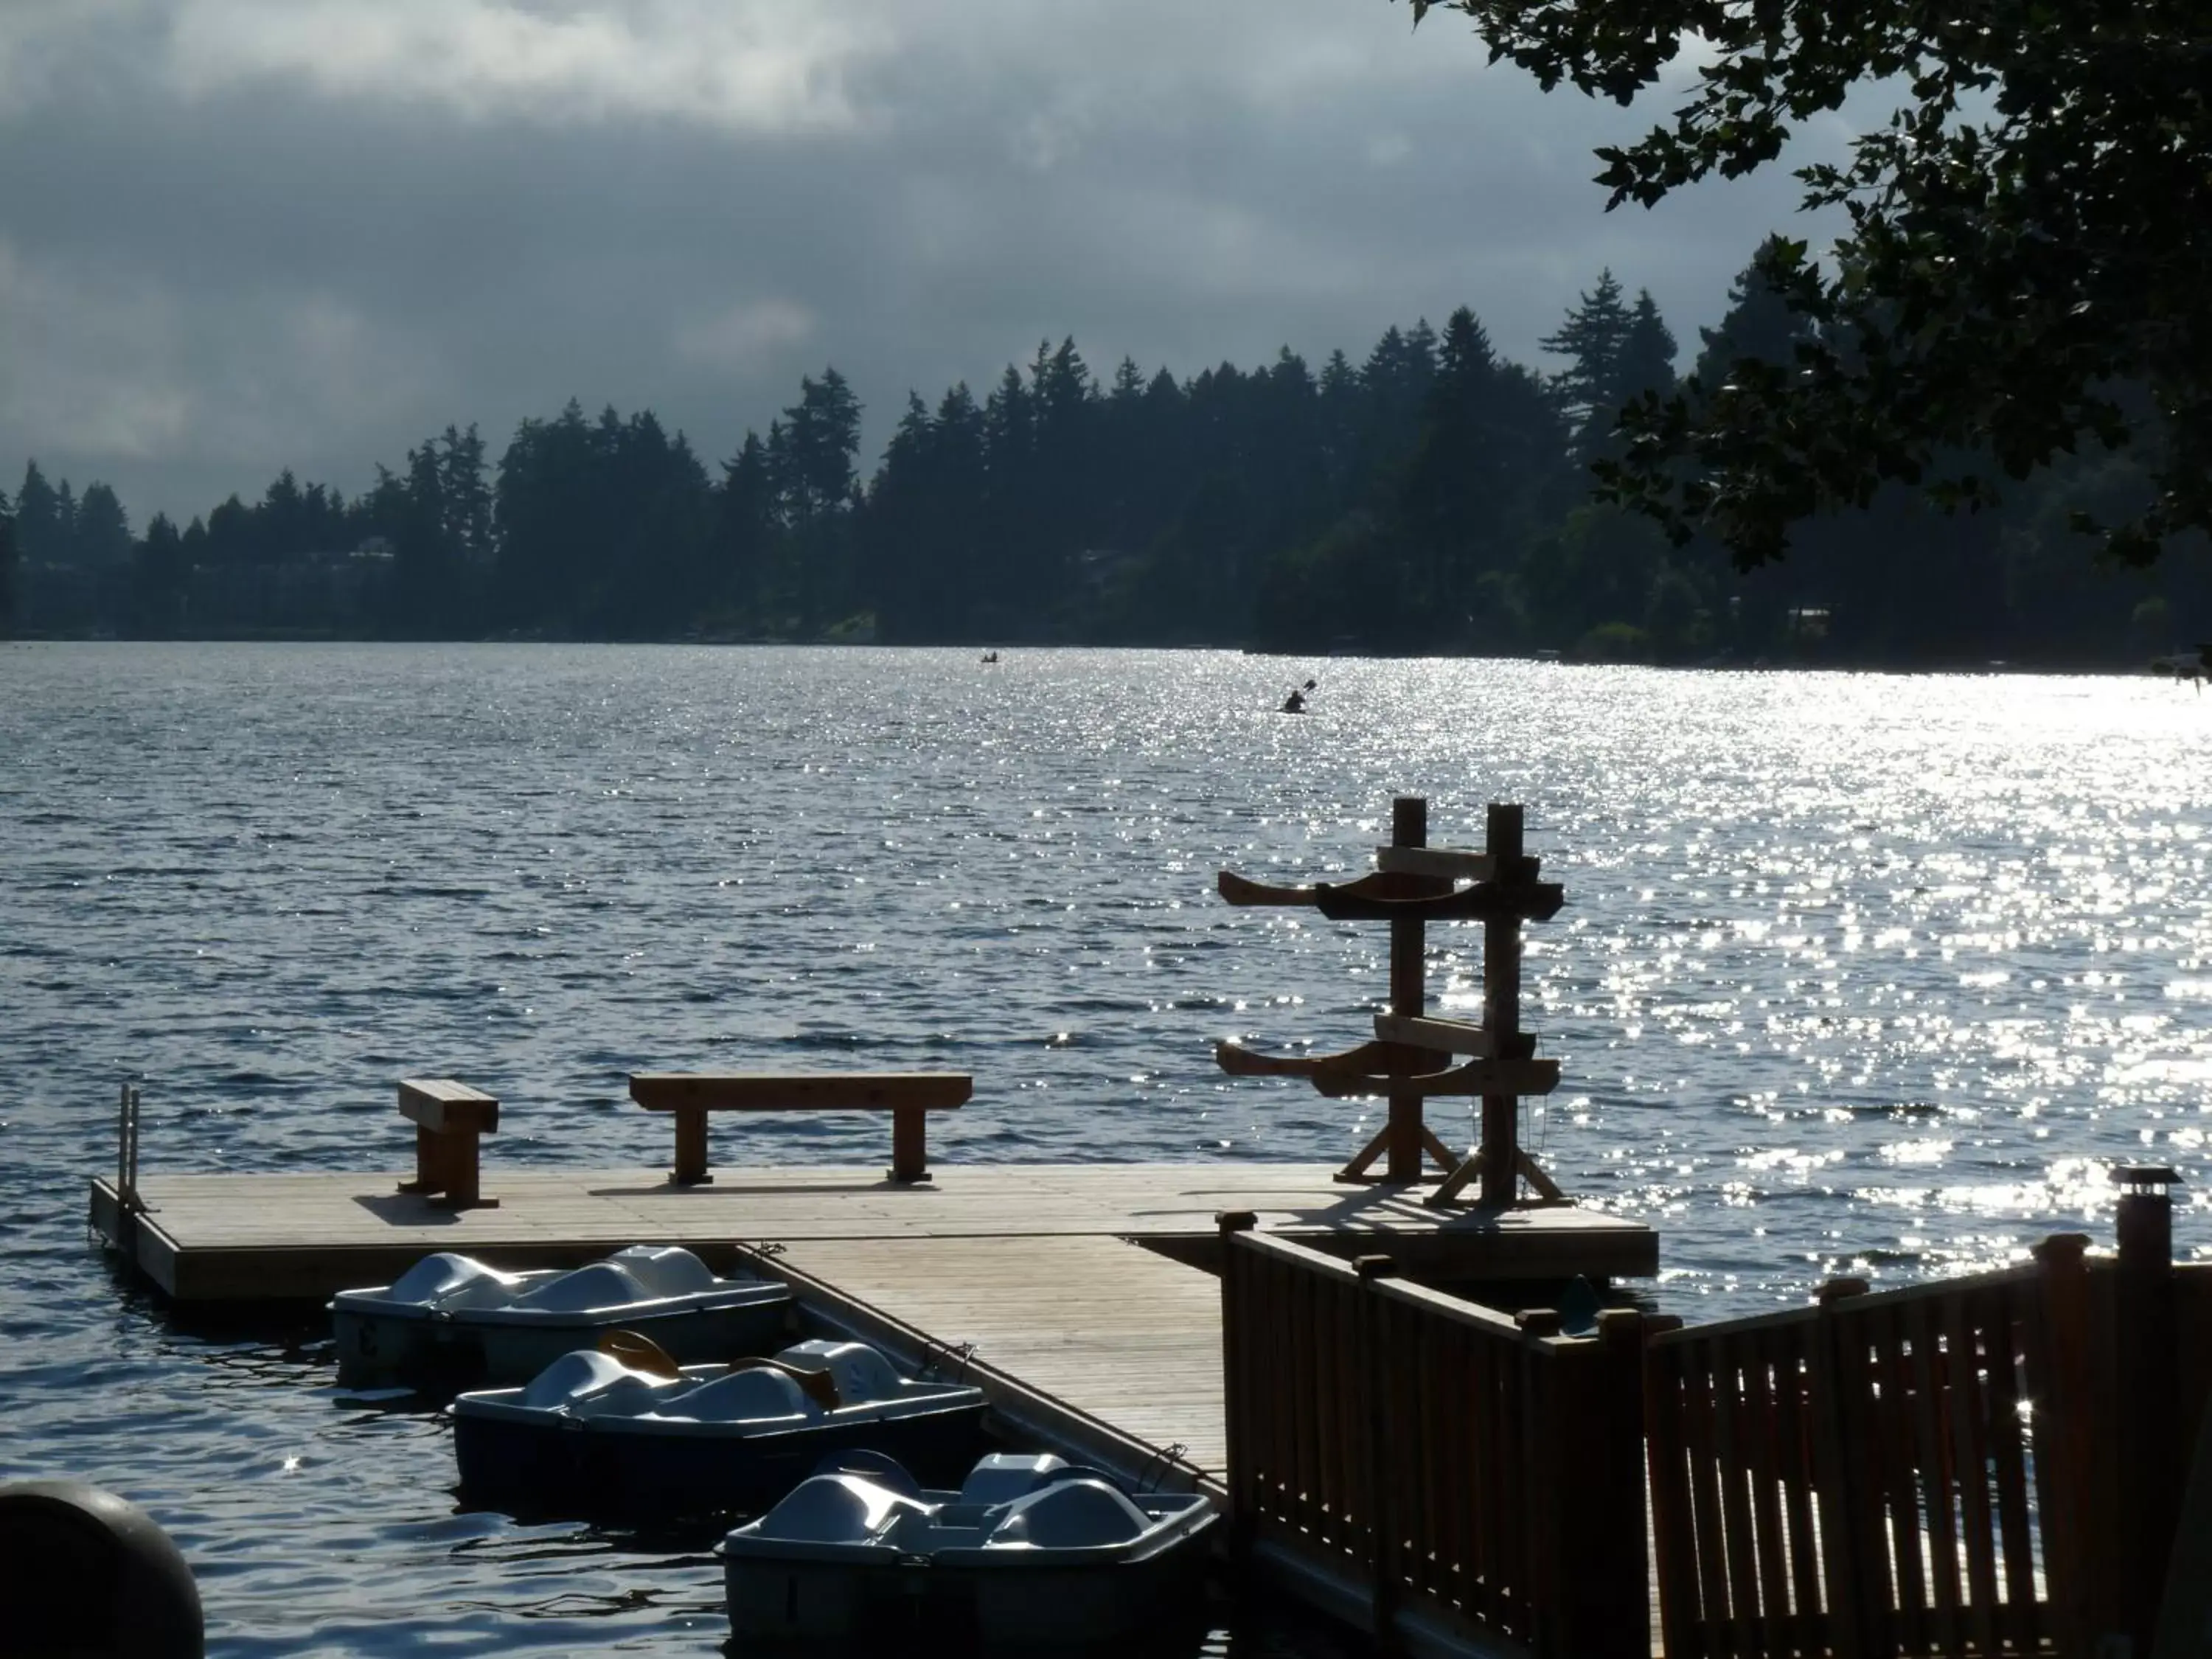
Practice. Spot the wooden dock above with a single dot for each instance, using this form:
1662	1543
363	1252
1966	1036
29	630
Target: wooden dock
1034	1275
267	1237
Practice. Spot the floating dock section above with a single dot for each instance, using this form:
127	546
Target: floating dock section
1035	1279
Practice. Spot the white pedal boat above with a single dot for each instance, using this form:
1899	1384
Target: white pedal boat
451	1319
627	1433
1030	1552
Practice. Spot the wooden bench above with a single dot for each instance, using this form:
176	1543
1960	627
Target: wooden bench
448	1116
906	1096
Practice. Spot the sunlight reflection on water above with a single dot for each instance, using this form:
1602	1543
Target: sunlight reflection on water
1875	974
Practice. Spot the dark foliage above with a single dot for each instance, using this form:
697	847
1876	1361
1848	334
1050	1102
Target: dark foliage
1432	497
2022	276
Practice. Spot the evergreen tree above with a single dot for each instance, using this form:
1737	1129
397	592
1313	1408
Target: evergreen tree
64	524
1394	380
158	575
898	543
1594	337
464	495
230	538
819	438
279	535
7	562
746	524
1647	354
1481	482
1759	326
546	515
38	531
103	532
822	432
1337	420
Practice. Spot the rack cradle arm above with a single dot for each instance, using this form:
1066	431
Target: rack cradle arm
1487	901
1369	1059
1491	1078
1383	886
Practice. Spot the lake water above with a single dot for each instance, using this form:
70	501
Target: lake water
1858	973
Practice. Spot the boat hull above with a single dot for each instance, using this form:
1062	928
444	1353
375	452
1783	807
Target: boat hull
457	1353
1002	1605
563	1466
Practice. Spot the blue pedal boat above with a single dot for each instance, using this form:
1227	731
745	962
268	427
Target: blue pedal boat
1030	1552
623	1432
451	1319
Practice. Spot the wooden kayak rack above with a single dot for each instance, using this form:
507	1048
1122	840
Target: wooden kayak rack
1414	1057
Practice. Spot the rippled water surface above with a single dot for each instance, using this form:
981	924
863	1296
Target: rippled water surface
1875	974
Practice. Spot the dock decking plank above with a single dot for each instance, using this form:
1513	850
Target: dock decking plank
1108	1329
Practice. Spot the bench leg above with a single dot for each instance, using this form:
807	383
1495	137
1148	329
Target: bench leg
429	1163
909	1148
462	1191
691	1147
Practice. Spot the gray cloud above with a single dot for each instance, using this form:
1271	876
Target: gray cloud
241	235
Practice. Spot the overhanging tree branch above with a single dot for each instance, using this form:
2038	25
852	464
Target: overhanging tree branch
2025	269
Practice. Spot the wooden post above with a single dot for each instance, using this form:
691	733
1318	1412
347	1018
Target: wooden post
1382	1513
1409	827
457	1152
1501	1014
2077	1520
1237	1390
909	1147
1613	1613
1583	1496
1672	1552
2145	1440
691	1147
1837	1455
2185	1617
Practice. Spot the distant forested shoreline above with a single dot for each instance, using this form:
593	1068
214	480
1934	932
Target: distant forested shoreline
1432	497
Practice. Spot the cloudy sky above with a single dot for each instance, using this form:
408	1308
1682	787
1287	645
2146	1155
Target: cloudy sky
238	235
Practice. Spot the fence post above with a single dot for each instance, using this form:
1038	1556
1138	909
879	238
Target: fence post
1838	1456
2077	1522
1617	1591
1548	1390
2144	1431
1237	1390
1673	1553
1583	1458
1409	827
1381	1360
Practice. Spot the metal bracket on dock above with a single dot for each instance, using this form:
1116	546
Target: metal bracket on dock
1164	1458
962	1351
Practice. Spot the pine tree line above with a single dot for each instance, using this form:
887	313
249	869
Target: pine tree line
1433	496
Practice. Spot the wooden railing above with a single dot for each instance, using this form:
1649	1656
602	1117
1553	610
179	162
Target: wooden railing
1863	1476
1459	1465
1983	1466
1978	1468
